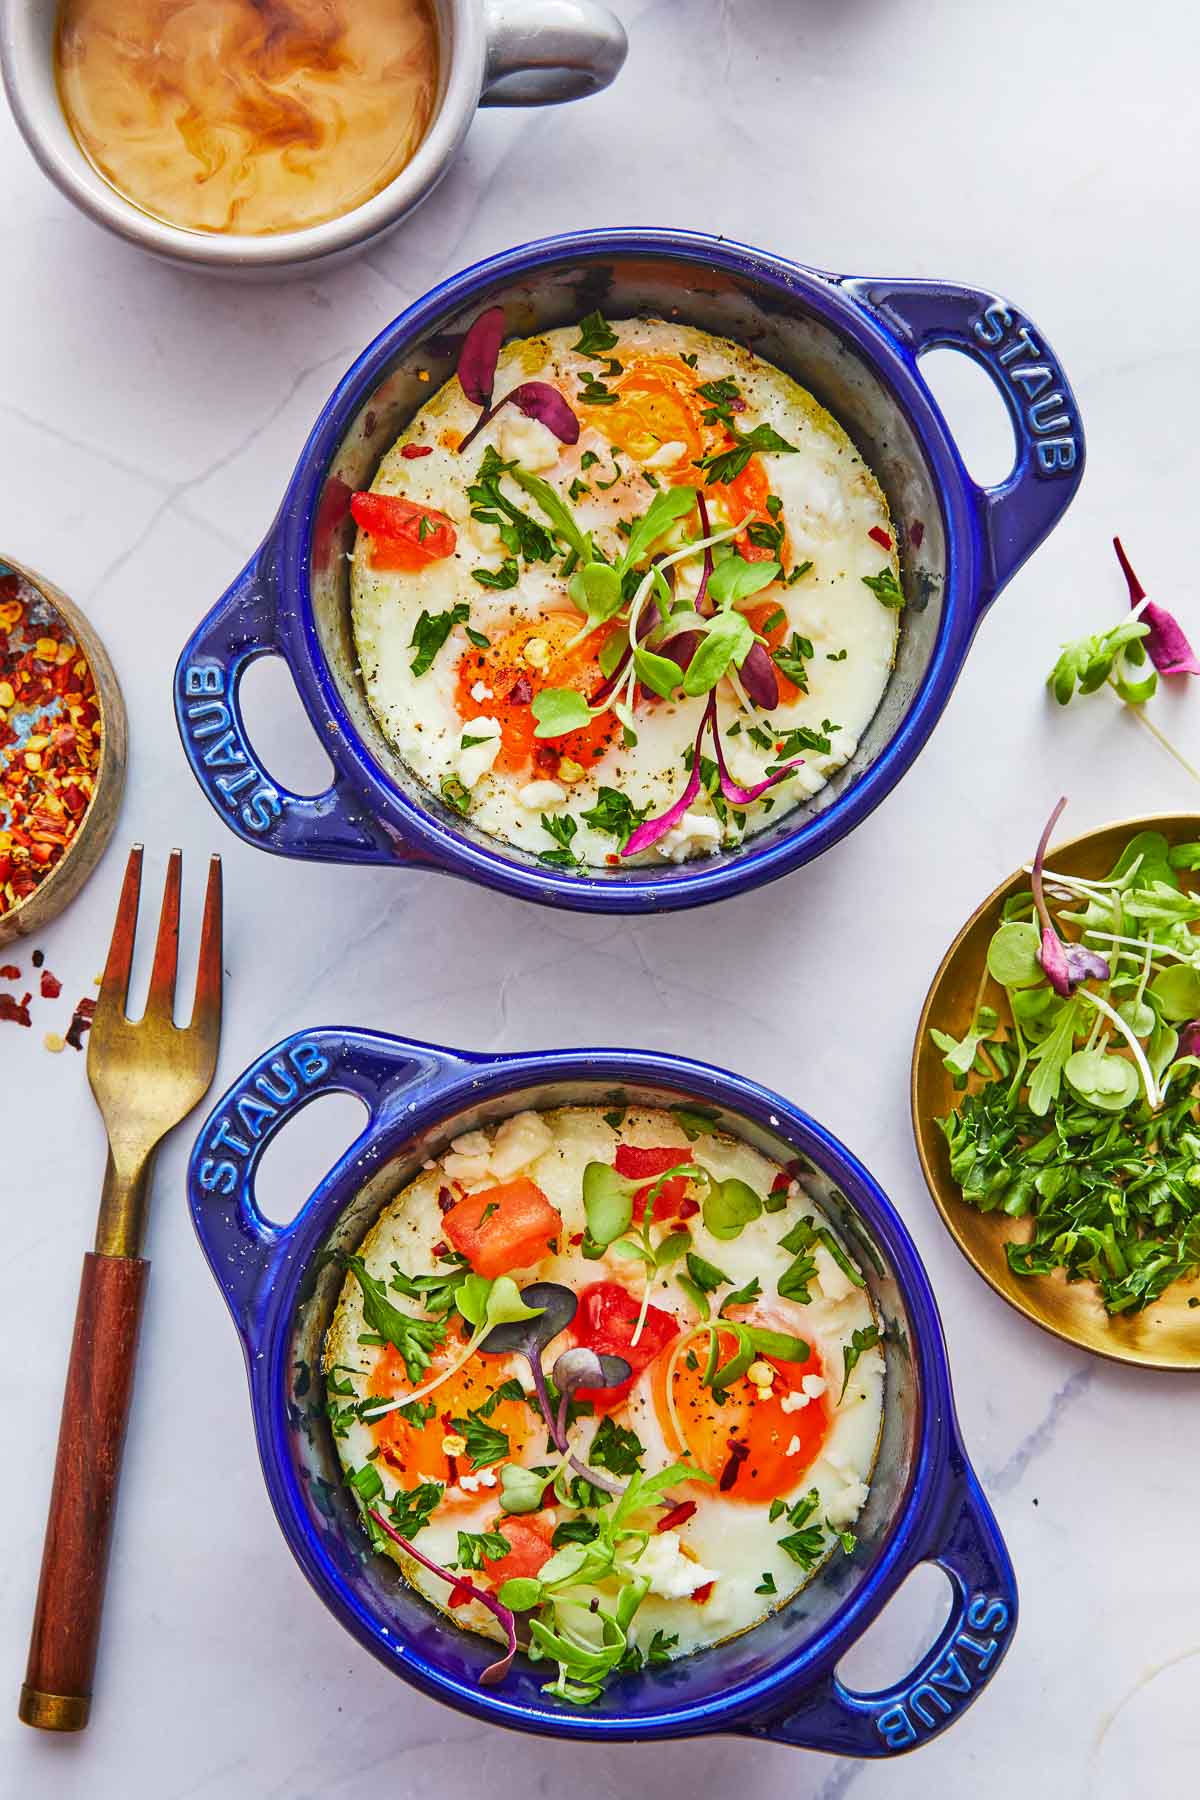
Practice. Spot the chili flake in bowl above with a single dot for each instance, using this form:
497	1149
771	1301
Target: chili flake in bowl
62	750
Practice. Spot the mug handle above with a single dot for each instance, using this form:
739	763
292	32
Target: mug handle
239	1242
1019	512
966	1543
327	827
542	51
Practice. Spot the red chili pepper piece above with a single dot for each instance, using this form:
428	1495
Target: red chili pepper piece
14	1011
701	1594
881	537
410	453
738	1452
51	985
10	972
678	1515
81	1020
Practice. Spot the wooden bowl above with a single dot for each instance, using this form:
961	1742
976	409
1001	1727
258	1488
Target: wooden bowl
96	826
1166	1335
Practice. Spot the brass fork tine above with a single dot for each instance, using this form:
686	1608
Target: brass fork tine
206	1013
161	998
114	986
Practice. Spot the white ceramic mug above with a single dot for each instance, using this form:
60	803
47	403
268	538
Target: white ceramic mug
492	53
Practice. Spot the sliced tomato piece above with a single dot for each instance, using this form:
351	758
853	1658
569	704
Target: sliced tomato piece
605	1322
403	534
530	1540
507	1227
634	1164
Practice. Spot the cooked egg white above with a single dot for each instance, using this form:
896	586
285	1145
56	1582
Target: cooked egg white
729	1541
828	502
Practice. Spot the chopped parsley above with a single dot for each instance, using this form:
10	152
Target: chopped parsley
562	829
616	1449
615	814
506	576
430	633
886	588
596	336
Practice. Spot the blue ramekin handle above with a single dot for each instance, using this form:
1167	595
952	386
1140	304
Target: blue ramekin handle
965	1541
239	1242
328	827
1017	514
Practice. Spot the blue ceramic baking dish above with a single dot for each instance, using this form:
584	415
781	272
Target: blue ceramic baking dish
855	343
778	1681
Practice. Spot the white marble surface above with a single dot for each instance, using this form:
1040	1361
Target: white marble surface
149	421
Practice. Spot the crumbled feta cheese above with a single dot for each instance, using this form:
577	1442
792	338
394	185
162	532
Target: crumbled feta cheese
471	1143
834	1284
469	1484
671	1575
846	1505
527	441
793	1402
519	1141
486	1478
665	456
813	1386
477	759
693	832
467	1159
793	1448
481	692
536	796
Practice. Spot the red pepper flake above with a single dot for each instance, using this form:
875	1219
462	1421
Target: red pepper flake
459	1595
521	691
49	739
687	1208
881	537
441	1248
51	985
410	453
14	1011
781	1183
678	1515
703	1593
445	1199
738	1452
916	533
613	860
81	1020
576	1237
10	972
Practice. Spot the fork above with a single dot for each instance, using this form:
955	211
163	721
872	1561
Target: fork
145	1077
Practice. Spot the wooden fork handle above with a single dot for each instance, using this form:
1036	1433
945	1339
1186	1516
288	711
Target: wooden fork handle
57	1692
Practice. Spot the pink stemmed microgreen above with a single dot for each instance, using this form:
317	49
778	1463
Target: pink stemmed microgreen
1166	643
477	374
495	1672
1065	965
653	830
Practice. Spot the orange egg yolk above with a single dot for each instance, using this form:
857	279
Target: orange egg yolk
414	1453
532	655
746	1444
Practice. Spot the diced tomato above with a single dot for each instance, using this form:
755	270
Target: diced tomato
633	1164
605	1323
403	535
507	1227
530	1540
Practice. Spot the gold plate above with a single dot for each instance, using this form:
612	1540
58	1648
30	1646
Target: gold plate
1166	1335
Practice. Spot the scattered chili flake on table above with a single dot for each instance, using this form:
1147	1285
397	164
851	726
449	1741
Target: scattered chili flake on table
49	738
14	1011
9	972
51	985
81	1019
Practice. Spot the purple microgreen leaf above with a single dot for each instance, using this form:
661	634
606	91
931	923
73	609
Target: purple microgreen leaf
556	1308
539	400
654	829
479	354
682	647
581	1367
1166	643
759	678
495	1672
1189	1039
1064	965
